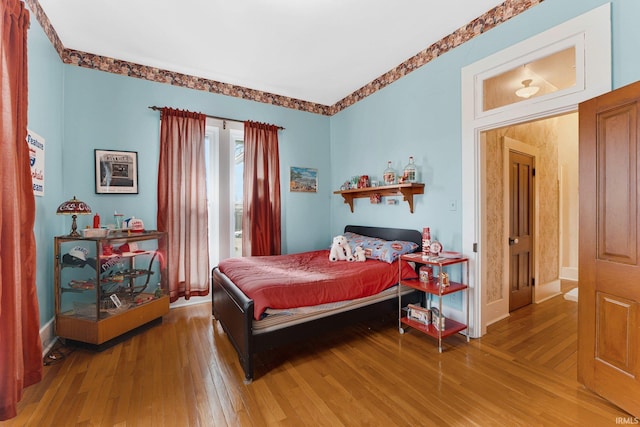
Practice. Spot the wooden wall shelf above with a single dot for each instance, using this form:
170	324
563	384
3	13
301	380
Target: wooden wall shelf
405	190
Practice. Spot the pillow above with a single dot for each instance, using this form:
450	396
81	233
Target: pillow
380	249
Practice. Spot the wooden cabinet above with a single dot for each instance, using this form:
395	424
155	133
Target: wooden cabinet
434	291
105	287
405	190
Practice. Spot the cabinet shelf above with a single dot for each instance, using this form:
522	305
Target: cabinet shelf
451	327
432	286
405	190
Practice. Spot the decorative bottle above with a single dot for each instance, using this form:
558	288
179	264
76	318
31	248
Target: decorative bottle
389	175
410	173
426	242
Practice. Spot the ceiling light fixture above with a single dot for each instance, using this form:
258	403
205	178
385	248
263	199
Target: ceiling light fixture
527	91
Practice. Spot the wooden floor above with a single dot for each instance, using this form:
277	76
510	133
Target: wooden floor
184	372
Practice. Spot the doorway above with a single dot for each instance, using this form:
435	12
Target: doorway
590	33
224	142
553	142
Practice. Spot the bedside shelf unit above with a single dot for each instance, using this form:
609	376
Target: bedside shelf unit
102	294
405	190
432	288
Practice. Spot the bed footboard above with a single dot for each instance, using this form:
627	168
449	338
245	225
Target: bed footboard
234	310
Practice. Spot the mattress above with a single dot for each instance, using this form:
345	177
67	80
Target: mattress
309	279
282	318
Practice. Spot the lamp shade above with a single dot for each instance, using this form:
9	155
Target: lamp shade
526	90
74	207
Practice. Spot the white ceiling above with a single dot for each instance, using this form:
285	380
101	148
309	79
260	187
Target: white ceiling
314	50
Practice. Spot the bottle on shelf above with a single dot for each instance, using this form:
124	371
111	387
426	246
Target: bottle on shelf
389	175
117	218
96	220
410	173
426	242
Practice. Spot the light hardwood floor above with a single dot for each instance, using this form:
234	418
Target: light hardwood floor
184	372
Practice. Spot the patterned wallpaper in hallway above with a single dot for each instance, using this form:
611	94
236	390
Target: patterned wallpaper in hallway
544	136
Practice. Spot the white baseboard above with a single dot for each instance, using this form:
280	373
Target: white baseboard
181	302
495	311
47	336
497	319
569	273
498	310
452	313
547	290
458	316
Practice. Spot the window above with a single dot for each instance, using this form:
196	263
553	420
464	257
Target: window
225	167
237	140
555	71
539	77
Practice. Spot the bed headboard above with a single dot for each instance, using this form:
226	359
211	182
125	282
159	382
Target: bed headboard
388	233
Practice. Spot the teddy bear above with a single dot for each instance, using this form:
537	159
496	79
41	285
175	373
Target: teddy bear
340	250
359	254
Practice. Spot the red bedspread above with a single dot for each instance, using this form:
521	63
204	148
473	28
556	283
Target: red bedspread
308	278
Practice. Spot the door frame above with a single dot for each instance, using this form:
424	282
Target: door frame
592	35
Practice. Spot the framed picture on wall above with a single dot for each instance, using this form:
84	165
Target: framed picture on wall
116	172
303	180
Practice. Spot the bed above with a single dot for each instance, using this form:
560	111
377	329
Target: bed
254	325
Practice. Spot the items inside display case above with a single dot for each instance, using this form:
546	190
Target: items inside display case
100	281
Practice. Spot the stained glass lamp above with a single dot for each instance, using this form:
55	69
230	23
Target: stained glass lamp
74	207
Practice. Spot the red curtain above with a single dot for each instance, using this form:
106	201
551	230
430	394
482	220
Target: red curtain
182	202
20	345
261	192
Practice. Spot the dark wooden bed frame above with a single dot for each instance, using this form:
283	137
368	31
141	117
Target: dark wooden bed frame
234	310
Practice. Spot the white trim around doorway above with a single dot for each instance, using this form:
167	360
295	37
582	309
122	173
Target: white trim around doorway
593	30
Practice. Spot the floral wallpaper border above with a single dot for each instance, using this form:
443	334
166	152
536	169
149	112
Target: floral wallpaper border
485	22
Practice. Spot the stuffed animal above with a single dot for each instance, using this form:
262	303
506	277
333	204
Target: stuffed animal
359	254
340	250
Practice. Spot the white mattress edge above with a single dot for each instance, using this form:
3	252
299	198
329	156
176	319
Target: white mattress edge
279	321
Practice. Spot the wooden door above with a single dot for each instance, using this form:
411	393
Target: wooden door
520	229
609	269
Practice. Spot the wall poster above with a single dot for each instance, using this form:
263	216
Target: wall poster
303	180
116	172
36	161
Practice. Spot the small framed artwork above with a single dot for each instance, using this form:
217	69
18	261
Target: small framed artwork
116	172
303	180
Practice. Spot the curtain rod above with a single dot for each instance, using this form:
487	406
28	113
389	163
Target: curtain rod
155	108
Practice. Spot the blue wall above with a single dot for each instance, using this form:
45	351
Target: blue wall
45	117
77	110
421	115
109	111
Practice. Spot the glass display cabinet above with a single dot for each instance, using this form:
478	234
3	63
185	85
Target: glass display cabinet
108	285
